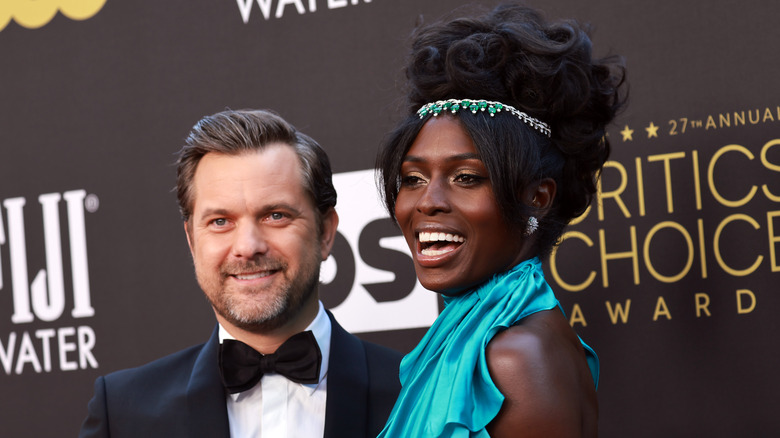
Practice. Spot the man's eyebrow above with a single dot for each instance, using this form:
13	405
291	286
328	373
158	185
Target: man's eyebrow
281	206
214	212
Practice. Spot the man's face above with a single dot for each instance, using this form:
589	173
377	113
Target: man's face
255	240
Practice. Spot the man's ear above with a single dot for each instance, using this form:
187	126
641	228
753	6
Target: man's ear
330	222
541	196
189	236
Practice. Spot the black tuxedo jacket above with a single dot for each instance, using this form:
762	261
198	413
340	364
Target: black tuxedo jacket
181	395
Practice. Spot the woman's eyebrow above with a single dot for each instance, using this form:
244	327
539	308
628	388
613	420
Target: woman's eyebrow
458	157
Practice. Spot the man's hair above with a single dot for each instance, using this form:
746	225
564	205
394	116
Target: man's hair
235	132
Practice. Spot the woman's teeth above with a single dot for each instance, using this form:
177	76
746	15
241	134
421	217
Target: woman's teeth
434	244
440	237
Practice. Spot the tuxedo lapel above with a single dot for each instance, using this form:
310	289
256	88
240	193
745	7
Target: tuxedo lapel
346	410
206	402
347	405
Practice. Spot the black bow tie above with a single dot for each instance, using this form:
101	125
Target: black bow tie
241	366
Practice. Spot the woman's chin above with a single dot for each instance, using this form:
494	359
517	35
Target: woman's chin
445	288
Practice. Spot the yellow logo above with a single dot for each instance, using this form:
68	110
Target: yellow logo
33	14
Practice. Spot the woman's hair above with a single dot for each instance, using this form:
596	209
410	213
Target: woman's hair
513	56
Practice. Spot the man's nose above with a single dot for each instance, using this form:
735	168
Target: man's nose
249	241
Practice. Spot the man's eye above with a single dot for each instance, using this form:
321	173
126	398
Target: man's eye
221	222
276	216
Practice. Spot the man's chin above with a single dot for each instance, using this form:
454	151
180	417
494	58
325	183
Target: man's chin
255	323
262	326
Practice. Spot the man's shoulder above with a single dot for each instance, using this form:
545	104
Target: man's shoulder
381	352
365	380
373	351
157	374
383	364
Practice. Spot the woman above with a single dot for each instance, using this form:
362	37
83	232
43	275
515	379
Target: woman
504	139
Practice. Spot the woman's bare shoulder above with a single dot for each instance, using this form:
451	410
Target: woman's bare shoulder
540	368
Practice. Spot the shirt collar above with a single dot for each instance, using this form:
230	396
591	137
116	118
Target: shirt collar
321	328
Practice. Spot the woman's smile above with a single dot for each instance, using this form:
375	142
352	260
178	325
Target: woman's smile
433	244
434	247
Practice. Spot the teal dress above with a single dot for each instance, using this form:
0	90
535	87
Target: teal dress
446	387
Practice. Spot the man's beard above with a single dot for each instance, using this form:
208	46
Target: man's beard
266	308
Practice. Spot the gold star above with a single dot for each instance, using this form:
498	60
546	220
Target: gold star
627	133
652	131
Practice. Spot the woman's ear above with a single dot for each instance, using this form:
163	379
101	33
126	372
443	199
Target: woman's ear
541	196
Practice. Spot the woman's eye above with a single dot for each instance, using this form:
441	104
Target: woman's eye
411	180
467	178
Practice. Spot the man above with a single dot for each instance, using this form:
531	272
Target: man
258	203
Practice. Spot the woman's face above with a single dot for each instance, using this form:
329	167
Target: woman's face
448	213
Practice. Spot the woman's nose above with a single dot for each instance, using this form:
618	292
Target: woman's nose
434	198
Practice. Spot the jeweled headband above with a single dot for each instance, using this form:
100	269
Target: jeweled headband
454	105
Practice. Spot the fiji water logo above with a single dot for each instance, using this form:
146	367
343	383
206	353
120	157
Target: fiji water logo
33	14
44	297
41	347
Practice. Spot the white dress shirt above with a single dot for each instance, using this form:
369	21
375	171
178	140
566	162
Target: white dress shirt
277	407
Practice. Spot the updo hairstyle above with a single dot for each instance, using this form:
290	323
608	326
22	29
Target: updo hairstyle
513	56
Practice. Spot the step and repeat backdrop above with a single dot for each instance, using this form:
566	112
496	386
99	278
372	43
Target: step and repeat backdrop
672	276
